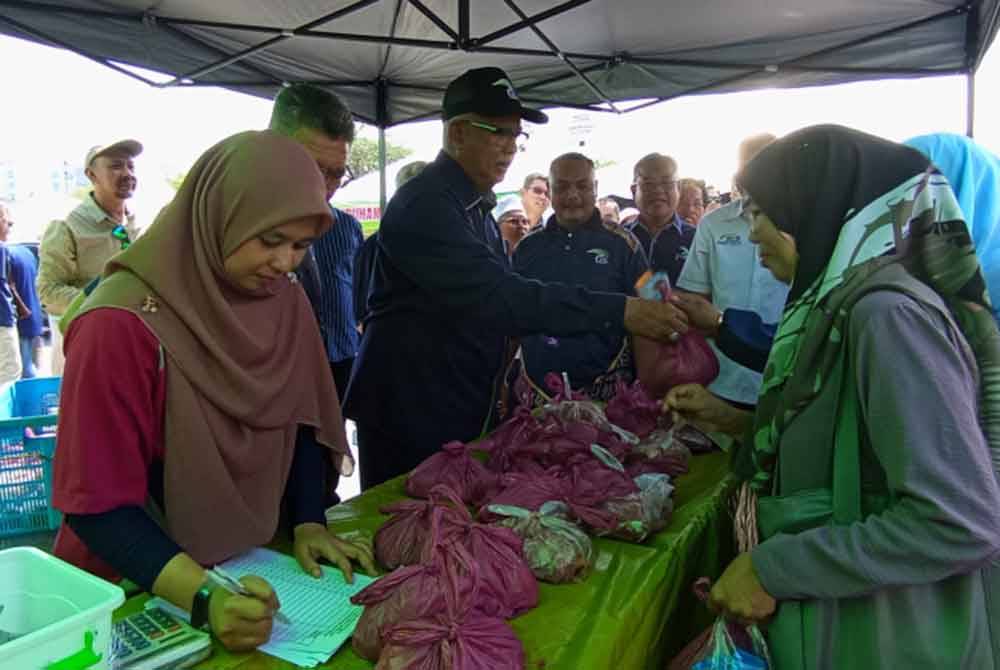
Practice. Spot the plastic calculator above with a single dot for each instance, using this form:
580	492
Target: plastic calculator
156	640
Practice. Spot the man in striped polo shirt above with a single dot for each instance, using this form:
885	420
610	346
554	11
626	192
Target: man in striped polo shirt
322	123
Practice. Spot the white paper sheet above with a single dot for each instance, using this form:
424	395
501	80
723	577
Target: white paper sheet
320	610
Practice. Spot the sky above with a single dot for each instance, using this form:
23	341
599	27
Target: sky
62	104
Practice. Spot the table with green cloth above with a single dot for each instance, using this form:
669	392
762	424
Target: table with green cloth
633	611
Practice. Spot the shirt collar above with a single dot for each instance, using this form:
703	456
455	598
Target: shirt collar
677	223
593	222
463	186
96	213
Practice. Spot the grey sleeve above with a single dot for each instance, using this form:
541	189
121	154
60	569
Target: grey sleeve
918	398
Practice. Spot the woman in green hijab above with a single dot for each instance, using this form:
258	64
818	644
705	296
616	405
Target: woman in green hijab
875	444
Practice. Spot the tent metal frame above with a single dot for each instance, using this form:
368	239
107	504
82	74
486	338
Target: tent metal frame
459	38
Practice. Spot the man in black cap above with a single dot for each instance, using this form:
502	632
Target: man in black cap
444	300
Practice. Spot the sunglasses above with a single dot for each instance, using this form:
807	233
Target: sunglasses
120	234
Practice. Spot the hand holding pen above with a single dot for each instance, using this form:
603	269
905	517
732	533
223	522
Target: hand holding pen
251	587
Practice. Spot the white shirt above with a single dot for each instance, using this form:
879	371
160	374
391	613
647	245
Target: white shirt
724	262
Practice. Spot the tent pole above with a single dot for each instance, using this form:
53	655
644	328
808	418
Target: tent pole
381	168
970	103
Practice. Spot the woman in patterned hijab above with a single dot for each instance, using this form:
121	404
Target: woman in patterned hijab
871	474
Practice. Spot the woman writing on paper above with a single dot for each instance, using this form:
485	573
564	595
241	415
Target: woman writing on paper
873	486
197	403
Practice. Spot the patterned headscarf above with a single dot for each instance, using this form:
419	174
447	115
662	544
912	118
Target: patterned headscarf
974	175
857	204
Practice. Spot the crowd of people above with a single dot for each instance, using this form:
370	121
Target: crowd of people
210	362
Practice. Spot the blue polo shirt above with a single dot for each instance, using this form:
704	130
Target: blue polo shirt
8	311
668	250
23	271
599	256
442	304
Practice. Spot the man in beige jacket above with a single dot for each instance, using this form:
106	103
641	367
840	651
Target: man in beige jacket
74	250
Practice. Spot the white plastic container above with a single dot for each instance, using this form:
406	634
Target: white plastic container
61	614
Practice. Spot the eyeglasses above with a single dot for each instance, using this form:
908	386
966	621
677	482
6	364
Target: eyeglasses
540	190
121	234
515	134
341	177
653	184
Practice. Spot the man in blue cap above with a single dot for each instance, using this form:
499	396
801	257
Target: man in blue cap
444	301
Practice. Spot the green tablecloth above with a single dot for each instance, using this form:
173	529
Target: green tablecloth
634	611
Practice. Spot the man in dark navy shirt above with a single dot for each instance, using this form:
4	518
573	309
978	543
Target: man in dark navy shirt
664	235
578	248
444	299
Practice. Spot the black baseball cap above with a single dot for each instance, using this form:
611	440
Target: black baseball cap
487	91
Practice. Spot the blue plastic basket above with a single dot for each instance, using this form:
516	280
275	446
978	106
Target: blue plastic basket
28	415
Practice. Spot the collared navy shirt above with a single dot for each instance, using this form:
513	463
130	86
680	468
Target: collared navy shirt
442	303
668	250
599	256
334	253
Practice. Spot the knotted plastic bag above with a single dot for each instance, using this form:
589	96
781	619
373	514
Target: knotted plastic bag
402	540
689	360
633	409
716	649
726	645
405	594
457	636
456	467
658	452
556	549
506	585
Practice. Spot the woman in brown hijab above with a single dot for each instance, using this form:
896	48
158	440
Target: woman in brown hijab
197	405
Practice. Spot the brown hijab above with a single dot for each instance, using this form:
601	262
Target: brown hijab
243	369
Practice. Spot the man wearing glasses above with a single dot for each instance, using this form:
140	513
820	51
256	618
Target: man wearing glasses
664	235
321	122
74	250
444	300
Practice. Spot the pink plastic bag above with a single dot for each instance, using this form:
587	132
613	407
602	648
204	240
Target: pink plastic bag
532	491
457	636
633	409
507	587
556	549
689	360
456	467
659	452
402	540
405	594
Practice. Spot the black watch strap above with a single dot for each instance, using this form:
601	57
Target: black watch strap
199	608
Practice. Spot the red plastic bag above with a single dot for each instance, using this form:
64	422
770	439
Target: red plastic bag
456	637
456	467
689	360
